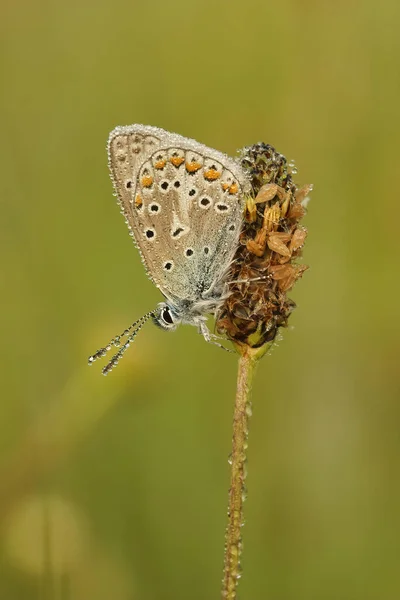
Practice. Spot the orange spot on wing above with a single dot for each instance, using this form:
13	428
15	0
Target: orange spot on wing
211	175
192	167
225	186
138	201
177	160
160	164
147	181
234	188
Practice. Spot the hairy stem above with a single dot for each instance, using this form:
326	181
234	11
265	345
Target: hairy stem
237	492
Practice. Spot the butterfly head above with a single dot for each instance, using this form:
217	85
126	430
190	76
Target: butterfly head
166	317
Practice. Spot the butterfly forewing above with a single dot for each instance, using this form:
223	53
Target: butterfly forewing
183	202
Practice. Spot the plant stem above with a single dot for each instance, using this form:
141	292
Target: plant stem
237	492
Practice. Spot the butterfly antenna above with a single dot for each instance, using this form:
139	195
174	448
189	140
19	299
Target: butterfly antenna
116	342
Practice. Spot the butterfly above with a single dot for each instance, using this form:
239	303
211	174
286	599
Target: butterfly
183	204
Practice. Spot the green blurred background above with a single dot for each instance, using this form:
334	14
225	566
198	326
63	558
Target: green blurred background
117	487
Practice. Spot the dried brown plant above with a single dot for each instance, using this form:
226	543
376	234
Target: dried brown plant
265	266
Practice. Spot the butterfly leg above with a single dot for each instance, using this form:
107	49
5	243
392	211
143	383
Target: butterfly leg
211	337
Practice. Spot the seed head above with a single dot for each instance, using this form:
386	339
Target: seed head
265	265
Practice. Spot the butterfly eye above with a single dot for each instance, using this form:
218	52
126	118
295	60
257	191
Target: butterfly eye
165	318
166	315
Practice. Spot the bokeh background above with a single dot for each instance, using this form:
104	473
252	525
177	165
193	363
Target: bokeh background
117	487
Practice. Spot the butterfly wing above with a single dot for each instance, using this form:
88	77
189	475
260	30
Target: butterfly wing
183	203
128	147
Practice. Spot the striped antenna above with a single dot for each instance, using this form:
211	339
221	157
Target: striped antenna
131	333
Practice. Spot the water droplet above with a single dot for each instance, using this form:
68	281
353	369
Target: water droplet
230	459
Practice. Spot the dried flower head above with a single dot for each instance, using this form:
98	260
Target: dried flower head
264	268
